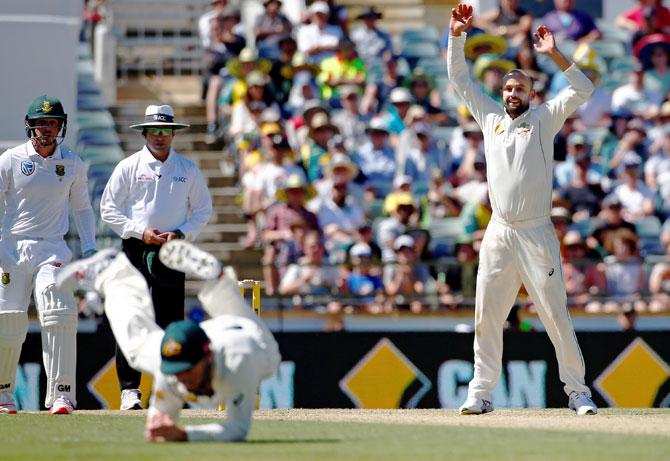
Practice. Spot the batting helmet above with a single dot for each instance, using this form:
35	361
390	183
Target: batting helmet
45	107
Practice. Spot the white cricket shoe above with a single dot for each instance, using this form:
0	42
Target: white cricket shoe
7	404
81	274
475	406
582	403
61	406
131	399
188	258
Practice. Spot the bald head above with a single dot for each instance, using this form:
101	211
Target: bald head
520	75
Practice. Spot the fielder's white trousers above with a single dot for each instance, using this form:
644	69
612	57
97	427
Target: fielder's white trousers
511	254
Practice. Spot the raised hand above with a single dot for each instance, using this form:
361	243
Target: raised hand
461	19
545	37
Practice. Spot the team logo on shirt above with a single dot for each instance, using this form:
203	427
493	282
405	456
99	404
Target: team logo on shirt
5	278
27	168
499	130
524	129
60	170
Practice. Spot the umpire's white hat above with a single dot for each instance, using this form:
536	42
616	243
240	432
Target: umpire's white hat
159	116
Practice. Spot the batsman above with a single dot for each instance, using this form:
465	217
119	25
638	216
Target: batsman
520	245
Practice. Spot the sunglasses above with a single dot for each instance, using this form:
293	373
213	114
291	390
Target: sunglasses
159	131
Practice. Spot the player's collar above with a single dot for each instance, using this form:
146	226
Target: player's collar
33	154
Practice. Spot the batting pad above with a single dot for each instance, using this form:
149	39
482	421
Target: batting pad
59	345
13	329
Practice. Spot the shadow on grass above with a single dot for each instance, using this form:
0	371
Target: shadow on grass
287	441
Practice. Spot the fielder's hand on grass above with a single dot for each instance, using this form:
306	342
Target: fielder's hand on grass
161	428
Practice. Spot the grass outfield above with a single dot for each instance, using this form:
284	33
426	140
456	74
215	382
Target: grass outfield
353	435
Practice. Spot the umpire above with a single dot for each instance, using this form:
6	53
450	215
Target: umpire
152	197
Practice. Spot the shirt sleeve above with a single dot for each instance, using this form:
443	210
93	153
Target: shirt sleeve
112	203
478	103
568	100
200	204
80	202
239	411
164	398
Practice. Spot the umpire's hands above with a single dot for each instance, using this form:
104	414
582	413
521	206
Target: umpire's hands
153	236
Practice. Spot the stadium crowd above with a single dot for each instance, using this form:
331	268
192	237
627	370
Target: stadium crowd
364	175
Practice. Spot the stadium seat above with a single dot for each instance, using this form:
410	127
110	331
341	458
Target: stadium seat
87	119
425	34
608	49
648	227
623	64
90	102
433	67
97	137
87	85
414	51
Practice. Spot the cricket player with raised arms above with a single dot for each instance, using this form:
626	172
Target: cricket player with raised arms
220	361
40	180
520	245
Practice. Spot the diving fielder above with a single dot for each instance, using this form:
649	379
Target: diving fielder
221	361
39	181
520	244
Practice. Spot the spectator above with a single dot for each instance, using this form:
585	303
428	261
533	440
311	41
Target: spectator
659	284
626	279
578	152
566	23
282	71
426	158
561	219
584	281
291	207
526	60
649	17
400	100
363	282
270	27
627	317
636	198
459	144
261	189
426	96
473	162
319	40
490	69
314	153
205	22
657	78
405	280
339	218
402	187
350	121
376	158
371	42
584	190
401	219
246	113
478	44
310	276
604	148
657	174
610	220
632	145
507	20
339	169
304	89
438	202
634	98
408	140
345	68
377	92
298	126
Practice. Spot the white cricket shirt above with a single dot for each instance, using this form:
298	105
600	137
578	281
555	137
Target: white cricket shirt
244	355
145	192
519	152
38	191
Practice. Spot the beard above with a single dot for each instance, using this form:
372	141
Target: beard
516	109
205	385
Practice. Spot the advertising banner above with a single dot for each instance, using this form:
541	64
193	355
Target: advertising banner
400	370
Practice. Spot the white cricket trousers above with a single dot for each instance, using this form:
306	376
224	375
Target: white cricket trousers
512	253
129	309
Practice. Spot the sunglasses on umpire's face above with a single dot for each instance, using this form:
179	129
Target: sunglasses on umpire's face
160	131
